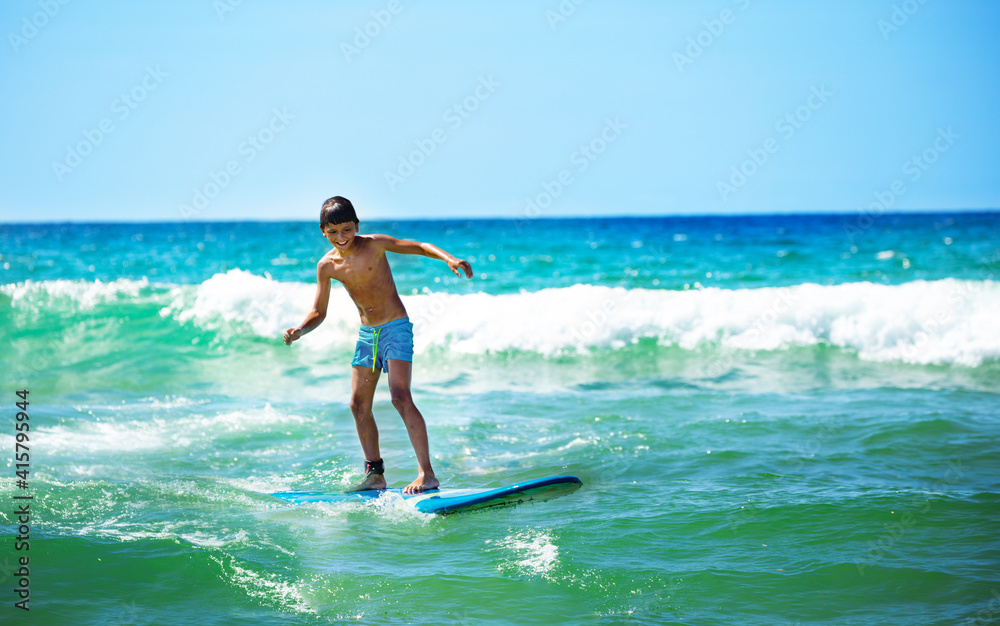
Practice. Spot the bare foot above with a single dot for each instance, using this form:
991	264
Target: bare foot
369	482
422	483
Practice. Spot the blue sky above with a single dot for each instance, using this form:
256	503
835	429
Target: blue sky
257	109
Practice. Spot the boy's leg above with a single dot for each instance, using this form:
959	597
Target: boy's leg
399	388
363	382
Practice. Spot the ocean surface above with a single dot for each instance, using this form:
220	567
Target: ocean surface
777	420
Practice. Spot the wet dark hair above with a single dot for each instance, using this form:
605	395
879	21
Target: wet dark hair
337	210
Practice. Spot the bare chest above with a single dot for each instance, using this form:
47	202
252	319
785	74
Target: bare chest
360	272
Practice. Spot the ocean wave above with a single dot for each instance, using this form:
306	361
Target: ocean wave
145	435
947	321
81	295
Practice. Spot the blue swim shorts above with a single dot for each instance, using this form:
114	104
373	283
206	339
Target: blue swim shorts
394	340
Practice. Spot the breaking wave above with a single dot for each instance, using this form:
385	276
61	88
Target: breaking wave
946	321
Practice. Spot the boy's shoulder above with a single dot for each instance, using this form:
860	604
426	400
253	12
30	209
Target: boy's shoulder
328	261
377	242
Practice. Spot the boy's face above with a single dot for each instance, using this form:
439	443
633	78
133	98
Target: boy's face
341	235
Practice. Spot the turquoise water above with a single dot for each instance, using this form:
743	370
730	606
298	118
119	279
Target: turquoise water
777	420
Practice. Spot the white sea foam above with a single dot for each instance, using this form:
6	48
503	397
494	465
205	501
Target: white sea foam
264	587
922	322
393	508
83	294
946	321
144	435
533	552
239	296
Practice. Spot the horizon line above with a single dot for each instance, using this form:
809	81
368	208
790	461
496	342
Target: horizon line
523	218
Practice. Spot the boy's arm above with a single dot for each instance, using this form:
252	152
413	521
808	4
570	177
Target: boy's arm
316	316
403	246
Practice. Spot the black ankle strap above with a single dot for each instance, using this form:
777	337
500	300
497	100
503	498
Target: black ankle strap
374	467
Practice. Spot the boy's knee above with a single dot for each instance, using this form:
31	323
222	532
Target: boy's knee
359	408
401	398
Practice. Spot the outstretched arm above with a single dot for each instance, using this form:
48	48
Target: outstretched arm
316	316
402	246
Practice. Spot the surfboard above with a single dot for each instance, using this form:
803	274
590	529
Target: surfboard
453	500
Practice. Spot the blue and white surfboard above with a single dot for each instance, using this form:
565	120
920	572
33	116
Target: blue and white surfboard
454	500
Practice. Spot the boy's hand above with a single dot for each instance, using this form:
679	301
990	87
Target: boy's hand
456	264
292	334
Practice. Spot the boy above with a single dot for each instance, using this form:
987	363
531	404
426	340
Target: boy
386	335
